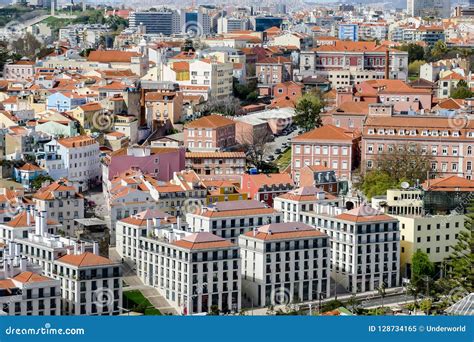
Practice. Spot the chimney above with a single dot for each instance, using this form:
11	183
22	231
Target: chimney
387	64
95	248
149	226
178	223
37	222
43	225
75	248
28	218
255	231
23	263
5	267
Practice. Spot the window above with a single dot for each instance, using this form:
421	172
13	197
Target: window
297	149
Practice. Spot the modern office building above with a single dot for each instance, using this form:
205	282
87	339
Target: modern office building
349	32
427	8
264	23
164	21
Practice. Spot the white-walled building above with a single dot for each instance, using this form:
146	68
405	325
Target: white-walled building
365	245
196	273
233	218
75	158
284	263
90	284
62	202
302	199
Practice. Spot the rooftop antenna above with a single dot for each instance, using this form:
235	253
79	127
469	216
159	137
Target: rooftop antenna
405	185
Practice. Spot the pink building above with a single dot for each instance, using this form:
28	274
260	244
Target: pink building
211	132
271	71
160	162
330	146
395	92
450	142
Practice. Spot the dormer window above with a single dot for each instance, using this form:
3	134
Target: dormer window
456	134
413	132
424	133
370	131
401	132
380	131
445	133
434	133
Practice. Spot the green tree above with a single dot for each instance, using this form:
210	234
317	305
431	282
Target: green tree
308	109
414	67
38	182
425	305
415	160
439	49
422	270
415	52
460	273
375	183
462	91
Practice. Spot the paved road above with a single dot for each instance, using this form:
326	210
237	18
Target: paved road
133	282
278	143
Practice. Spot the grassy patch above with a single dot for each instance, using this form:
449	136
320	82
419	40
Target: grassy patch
284	159
135	301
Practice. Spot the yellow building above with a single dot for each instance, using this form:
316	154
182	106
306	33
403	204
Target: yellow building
87	114
222	191
433	235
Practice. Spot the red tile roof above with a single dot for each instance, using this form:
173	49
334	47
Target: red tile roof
85	260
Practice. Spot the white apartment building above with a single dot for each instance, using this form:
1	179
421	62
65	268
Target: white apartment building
75	158
284	263
294	202
196	272
62	202
233	218
90	284
26	222
24	292
365	245
214	74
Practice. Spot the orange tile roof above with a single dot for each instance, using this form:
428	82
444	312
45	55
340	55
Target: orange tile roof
270	179
78	141
352	108
85	260
451	183
180	66
365	213
285	231
210	121
111	56
215	154
203	240
30	277
30	167
326	132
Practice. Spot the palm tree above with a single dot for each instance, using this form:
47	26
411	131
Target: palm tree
353	304
382	293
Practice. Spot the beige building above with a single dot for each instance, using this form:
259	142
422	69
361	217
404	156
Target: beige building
431	234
